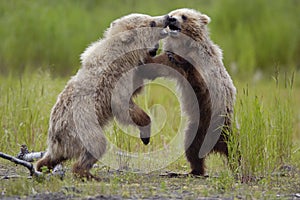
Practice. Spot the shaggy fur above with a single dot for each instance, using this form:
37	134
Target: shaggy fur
84	107
190	51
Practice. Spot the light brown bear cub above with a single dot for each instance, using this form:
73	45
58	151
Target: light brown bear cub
190	51
84	107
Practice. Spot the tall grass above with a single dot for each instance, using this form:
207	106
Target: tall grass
263	138
51	34
25	104
265	114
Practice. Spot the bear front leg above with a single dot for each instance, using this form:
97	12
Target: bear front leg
163	66
133	115
143	121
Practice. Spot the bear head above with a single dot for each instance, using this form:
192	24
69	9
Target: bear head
138	33
189	22
139	28
187	30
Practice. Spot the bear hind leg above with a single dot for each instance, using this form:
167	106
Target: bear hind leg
222	148
192	149
197	166
48	162
82	167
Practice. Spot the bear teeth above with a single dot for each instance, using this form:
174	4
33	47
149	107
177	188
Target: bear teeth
174	32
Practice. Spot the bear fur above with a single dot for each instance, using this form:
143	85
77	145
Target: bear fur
190	51
84	107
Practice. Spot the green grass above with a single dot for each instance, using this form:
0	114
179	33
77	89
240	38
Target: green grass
265	130
25	109
255	35
40	47
268	136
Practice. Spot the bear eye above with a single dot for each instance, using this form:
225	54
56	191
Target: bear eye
184	17
153	24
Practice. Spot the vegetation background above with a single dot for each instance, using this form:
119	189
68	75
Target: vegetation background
255	35
41	41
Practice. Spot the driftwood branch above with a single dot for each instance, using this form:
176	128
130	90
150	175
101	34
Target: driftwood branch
24	163
25	158
24	154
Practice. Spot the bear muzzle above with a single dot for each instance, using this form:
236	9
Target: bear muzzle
174	26
161	22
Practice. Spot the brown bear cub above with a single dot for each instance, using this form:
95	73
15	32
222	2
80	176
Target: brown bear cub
190	51
86	104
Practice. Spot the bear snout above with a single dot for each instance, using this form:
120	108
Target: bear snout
172	20
173	23
161	21
167	21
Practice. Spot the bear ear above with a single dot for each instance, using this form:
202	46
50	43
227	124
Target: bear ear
204	19
128	36
112	24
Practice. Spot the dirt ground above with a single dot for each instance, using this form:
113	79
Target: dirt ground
15	184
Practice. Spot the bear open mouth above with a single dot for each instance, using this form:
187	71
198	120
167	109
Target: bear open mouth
174	29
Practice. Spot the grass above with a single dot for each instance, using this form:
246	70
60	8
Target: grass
26	100
40	48
268	137
255	35
265	131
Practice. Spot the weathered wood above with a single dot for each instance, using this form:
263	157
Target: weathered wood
25	155
24	163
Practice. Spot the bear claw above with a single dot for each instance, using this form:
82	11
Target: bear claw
145	140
